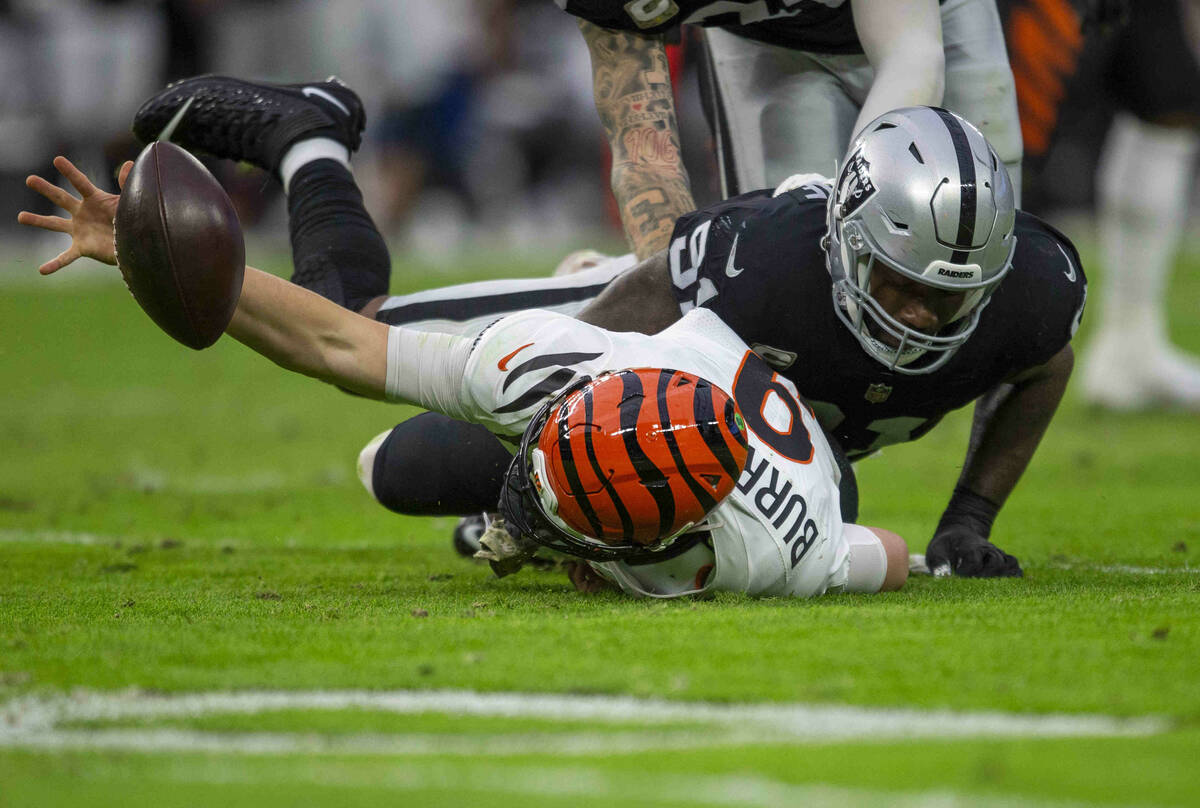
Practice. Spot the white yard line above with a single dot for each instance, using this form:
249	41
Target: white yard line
555	744
1127	569
55	537
627	787
36	722
562	769
917	566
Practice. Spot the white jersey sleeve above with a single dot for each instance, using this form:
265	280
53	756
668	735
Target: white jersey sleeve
522	361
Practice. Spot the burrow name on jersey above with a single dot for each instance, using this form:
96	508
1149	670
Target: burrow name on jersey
776	502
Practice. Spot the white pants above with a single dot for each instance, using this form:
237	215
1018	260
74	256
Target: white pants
778	112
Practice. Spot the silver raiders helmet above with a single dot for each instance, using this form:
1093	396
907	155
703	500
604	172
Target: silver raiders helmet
922	192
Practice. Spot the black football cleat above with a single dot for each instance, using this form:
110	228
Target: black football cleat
250	121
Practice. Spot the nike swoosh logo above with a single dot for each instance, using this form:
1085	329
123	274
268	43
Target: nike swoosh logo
503	363
319	93
176	119
730	269
1070	270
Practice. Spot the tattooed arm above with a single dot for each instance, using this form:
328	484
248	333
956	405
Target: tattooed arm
632	85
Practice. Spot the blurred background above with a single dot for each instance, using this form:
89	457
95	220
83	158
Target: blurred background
482	135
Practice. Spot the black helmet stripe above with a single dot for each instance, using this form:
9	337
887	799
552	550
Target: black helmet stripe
622	511
566	455
967	193
706	500
651	477
705	414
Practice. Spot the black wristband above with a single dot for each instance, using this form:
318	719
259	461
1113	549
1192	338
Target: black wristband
970	510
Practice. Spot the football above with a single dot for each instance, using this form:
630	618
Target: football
179	245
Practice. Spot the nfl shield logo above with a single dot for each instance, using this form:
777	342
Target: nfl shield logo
878	393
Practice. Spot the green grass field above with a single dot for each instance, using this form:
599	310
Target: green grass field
198	602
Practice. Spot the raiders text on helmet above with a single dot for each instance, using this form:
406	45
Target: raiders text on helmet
923	193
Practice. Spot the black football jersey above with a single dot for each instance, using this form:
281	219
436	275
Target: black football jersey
757	261
821	26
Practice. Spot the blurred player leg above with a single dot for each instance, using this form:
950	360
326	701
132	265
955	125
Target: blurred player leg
778	112
337	251
1144	187
304	134
775	112
979	81
1045	43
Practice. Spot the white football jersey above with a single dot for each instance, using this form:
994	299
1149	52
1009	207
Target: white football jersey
778	533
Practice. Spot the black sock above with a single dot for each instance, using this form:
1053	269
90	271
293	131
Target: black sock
336	249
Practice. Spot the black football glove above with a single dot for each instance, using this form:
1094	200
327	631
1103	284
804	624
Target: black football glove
961	540
970	555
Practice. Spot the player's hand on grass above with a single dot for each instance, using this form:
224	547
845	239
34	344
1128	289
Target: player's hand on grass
90	219
585	579
969	554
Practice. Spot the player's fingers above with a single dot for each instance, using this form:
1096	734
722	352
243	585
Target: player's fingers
59	261
56	223
123	174
584	578
59	196
1010	567
996	563
574	575
969	564
74	176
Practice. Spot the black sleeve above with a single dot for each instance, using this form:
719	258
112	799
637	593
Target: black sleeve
637	17
737	255
1045	293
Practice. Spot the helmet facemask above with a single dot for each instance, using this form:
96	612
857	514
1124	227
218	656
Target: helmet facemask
866	318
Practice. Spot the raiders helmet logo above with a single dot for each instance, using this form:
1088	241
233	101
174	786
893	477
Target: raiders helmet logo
855	186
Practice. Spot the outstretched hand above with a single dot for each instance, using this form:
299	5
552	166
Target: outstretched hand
90	219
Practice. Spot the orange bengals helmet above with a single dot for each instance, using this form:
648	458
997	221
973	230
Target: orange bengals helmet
620	466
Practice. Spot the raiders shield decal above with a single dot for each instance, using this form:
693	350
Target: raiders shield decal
856	186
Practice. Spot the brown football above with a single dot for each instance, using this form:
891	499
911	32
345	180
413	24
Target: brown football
179	245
